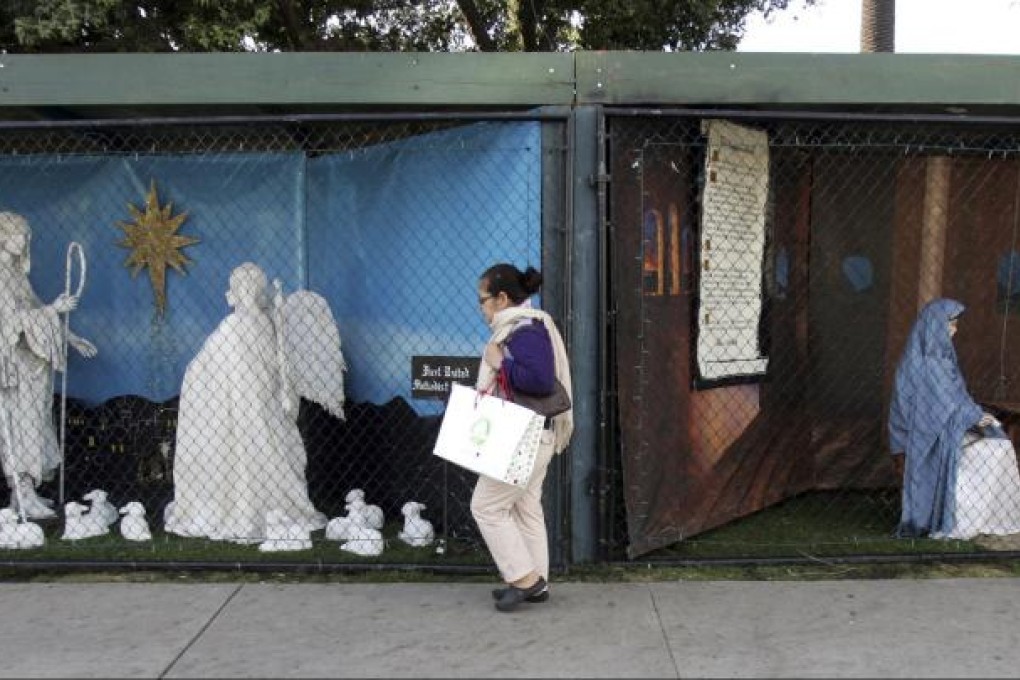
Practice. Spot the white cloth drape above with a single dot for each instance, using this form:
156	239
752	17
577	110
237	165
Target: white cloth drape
987	489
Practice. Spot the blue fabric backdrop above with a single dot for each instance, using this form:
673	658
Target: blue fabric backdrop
394	236
398	235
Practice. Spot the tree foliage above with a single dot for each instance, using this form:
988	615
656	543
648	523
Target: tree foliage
375	25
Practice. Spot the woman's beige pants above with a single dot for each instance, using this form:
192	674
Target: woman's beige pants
512	522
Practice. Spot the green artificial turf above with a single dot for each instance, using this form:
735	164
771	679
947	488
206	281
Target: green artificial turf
820	524
172	548
817	535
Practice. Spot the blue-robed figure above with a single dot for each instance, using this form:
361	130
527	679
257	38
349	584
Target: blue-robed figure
930	412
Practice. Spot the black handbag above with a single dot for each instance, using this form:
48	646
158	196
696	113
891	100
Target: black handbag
549	405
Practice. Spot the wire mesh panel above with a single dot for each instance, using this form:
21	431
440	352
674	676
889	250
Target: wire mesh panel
265	317
768	277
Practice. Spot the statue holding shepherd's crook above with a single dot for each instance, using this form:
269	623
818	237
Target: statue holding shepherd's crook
33	344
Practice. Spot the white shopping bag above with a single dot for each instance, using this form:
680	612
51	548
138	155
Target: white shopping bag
490	436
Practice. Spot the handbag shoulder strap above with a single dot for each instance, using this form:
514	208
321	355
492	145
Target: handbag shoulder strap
503	380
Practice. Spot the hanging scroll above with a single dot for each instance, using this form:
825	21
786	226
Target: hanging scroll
732	252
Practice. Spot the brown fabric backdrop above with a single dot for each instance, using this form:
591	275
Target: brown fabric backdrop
696	458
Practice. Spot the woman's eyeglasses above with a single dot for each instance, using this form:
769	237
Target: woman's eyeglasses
483	300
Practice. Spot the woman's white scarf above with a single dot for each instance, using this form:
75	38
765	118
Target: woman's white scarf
503	324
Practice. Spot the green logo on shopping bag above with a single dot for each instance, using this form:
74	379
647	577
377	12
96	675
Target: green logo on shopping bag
480	431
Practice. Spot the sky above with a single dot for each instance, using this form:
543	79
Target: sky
922	27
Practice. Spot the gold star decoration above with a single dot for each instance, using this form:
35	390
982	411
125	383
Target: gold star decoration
154	243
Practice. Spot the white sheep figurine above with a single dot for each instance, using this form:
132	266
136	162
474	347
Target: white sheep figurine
345	527
366	541
417	532
284	534
19	535
134	527
78	523
9	536
102	508
372	514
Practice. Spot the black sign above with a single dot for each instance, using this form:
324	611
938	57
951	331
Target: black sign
431	377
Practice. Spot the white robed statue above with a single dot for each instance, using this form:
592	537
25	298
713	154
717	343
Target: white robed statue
33	345
239	453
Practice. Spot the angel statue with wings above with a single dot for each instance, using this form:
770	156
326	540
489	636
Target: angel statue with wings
239	453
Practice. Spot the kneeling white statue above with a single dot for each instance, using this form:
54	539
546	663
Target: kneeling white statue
239	453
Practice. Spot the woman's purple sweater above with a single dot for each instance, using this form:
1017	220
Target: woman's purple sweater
528	359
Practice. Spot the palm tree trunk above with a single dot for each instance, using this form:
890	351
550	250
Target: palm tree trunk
878	25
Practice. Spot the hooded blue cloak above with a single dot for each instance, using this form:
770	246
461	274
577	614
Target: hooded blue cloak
930	411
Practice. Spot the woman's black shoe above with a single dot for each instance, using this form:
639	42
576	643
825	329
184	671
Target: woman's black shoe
512	595
537	598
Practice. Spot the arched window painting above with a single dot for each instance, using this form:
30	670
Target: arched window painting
658	240
652	247
675	272
687	252
1007	281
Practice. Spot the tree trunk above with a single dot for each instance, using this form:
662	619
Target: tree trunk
878	25
291	25
479	31
527	22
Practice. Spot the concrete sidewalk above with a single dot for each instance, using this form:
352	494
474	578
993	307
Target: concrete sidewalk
896	628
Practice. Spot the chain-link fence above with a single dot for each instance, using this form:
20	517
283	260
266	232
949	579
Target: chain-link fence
271	314
766	272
